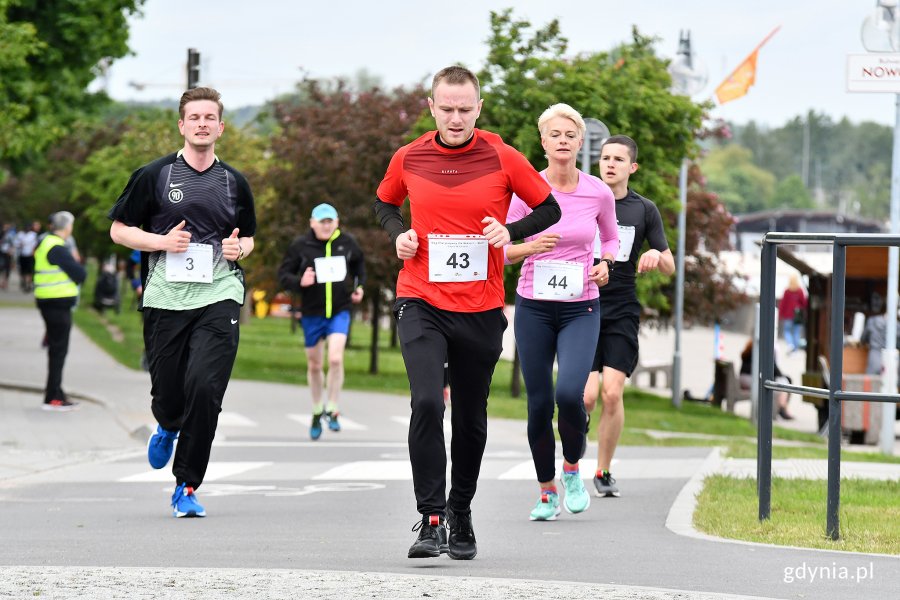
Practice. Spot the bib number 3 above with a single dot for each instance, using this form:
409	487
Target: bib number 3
193	265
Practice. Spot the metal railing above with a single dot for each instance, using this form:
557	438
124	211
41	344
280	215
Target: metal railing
834	394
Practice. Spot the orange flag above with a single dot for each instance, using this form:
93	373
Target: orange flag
738	83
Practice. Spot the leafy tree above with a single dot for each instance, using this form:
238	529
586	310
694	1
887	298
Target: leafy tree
527	71
740	185
791	193
334	145
49	53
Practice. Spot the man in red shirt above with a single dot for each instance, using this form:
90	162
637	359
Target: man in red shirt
459	181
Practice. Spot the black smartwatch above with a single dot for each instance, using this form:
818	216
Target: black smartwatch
609	263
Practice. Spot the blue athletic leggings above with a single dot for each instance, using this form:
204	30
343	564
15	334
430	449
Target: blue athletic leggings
566	331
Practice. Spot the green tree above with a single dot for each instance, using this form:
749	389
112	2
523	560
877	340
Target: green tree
49	53
740	185
791	193
334	145
527	71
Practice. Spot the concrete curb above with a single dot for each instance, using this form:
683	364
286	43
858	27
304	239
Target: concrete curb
139	432
680	519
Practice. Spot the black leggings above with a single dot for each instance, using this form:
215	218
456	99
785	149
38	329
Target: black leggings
58	320
470	343
191	354
565	331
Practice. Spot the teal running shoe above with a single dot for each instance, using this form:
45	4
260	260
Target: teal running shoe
577	499
184	503
315	430
547	507
333	423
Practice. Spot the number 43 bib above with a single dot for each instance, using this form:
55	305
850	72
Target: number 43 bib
457	257
558	279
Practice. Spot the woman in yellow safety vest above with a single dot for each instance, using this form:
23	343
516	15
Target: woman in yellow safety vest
56	278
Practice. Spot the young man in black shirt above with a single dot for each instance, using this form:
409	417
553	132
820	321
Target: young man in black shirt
192	217
617	349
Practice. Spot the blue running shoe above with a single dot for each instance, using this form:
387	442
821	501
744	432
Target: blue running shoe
160	446
333	423
184	503
315	430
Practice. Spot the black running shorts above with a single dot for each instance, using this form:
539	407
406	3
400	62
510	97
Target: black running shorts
617	346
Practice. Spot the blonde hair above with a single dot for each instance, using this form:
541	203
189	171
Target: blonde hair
793	282
561	110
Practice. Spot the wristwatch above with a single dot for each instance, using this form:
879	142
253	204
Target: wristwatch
609	263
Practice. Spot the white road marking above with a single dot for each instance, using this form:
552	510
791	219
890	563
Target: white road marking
215	471
346	424
233	419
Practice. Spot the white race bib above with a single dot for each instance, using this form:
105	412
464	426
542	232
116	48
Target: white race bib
457	257
626	241
330	269
558	279
193	265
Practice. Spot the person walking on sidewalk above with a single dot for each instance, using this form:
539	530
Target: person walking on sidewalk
57	276
327	269
26	243
617	346
557	308
193	218
790	312
449	307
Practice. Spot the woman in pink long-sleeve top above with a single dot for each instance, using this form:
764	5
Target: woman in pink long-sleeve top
557	311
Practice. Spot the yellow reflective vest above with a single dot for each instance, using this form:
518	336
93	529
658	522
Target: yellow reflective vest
50	281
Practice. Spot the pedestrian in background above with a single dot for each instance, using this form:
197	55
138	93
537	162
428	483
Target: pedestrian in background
56	280
790	312
326	268
193	216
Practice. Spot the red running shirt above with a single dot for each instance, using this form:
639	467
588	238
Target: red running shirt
450	191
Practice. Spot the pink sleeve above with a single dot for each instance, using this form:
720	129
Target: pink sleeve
606	222
517	210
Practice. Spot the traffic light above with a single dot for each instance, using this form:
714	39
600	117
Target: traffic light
193	68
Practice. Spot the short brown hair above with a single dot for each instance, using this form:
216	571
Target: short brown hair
625	141
456	75
200	93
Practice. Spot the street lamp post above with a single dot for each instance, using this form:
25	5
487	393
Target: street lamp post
879	33
688	78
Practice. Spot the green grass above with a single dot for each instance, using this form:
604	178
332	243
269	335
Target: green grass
869	515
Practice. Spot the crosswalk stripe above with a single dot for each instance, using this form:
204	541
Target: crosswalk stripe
214	472
368	470
233	419
346	424
405	422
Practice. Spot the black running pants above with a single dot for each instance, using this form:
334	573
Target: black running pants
58	321
191	353
470	343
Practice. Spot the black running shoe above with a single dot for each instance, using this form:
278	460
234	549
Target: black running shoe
462	538
432	540
605	485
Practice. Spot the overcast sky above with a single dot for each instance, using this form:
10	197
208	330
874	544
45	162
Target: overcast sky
252	51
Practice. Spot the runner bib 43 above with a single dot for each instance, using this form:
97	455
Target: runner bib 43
457	257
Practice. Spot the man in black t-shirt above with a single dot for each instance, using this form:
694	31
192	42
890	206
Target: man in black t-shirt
617	348
192	217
